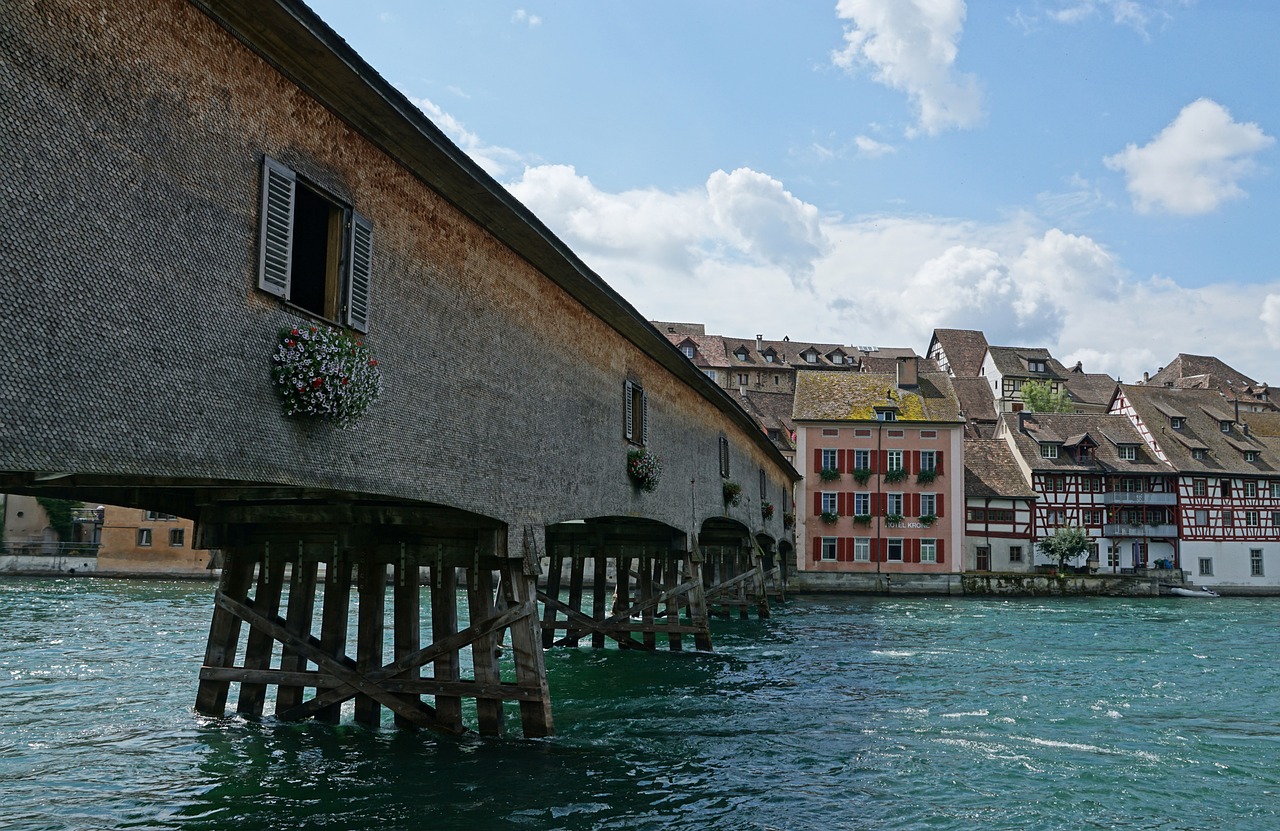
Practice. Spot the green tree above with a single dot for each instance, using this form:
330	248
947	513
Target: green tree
59	512
1039	397
1065	544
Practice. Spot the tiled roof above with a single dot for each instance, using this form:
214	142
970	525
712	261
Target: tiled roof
1263	425
788	352
669	328
1012	361
1029	430
964	348
991	471
1087	388
879	362
1187	366
773	411
975	398
709	349
1204	411
855	396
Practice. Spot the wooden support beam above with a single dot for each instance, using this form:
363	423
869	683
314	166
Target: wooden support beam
444	629
260	644
599	591
555	568
224	631
521	584
408	687
406	601
369	633
576	566
644	590
302	601
484	650
333	622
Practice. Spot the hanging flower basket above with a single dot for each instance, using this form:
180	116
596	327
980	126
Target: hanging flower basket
732	493
766	510
788	520
324	373
644	468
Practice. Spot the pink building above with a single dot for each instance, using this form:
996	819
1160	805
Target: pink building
882	458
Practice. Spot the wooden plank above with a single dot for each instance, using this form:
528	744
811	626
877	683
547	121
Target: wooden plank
671	577
260	644
599	591
576	565
444	630
526	647
406	598
370	628
484	649
554	569
644	590
224	630
302	601
414	687
333	621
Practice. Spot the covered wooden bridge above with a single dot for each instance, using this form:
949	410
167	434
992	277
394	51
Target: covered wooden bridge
204	192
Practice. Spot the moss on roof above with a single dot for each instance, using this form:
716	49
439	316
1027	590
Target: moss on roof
856	396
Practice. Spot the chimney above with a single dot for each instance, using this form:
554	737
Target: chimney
908	372
1146	376
759	343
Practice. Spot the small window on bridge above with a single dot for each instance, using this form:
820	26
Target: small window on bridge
724	457
316	253
177	537
144	536
637	406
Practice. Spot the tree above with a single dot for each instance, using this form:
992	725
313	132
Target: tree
1066	543
1039	397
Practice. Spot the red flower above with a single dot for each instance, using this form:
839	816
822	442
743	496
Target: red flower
288	342
317	383
295	333
373	363
344	380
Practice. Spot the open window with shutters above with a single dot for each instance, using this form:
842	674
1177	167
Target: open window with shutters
637	406
316	253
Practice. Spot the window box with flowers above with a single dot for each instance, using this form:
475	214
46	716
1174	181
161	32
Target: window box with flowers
862	475
925	477
788	520
644	468
324	373
830	517
895	475
766	511
893	520
828	474
862	519
928	519
732	493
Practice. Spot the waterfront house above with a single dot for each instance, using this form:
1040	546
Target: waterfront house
1228	481
999	509
881	456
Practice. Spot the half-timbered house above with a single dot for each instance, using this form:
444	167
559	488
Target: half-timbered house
999	509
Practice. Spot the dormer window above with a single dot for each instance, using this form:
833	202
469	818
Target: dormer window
1251	455
1199	455
886	415
1128	452
741	354
1176	422
768	357
810	357
1048	450
688	350
1035	365
1225	426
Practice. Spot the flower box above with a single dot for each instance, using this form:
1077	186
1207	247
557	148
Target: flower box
732	493
644	468
324	373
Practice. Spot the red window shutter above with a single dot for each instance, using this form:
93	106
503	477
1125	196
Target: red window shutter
873	459
884	460
913	462
941	557
875	503
817	503
915	505
842	504
817	459
817	549
938	463
840	461
878	549
843	554
938	508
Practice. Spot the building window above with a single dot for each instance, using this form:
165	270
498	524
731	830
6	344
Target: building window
1255	562
1035	366
156	516
977	515
1250	487
893	503
861	550
928	460
1251	455
929	434
862	460
1251	519
829	502
637	415
1113	557
1228	519
831	432
928	504
928	551
724	458
1055	518
886	415
810	357
1015	553
1128	452
862	432
315	252
1048	451
1176	422
895	460
1206	566
144	536
687	349
775	380
1015	385
1224	426
895	551
711	373
1202	517
741	354
828	548
1092	517
1275	518
1131	485
828	459
1275	489
862	504
1224	487
896	434
1199	487
1199	455
177	537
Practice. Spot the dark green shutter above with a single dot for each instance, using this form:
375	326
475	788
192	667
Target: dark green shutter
275	256
359	272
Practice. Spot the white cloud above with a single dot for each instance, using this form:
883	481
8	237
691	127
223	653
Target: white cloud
1137	16
1270	318
871	148
911	46
496	161
524	18
1195	164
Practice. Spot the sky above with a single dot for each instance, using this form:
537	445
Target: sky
1097	177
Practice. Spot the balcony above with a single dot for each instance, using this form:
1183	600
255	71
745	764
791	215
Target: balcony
1115	529
1138	498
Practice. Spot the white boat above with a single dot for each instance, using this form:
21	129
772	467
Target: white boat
1181	592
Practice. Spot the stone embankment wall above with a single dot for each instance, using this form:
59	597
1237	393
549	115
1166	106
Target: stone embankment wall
986	584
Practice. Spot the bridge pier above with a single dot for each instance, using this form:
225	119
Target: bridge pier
640	581
381	562
734	579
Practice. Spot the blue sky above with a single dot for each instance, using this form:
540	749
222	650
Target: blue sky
1093	176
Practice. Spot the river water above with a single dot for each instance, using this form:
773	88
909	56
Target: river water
837	713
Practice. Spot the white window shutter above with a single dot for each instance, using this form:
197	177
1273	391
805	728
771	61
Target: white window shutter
630	412
275	256
359	272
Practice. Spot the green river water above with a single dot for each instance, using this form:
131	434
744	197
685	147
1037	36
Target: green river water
837	713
